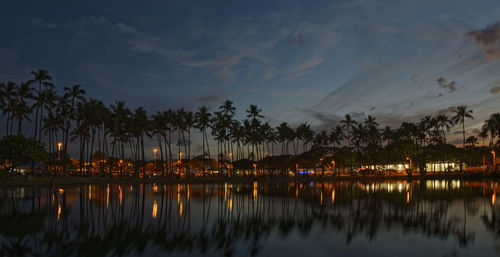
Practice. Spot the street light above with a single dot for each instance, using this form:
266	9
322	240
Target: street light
409	159
493	152
255	169
180	162
154	152
59	144
230	155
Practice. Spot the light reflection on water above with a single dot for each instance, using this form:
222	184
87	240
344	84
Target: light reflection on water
432	218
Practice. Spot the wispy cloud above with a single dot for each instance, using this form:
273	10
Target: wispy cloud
489	39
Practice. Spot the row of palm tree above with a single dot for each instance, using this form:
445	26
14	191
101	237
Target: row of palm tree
120	133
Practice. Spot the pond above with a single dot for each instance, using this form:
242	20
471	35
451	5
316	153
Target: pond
392	218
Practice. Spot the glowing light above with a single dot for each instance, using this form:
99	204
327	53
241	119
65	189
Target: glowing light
493	198
407	197
230	205
321	198
255	191
60	190
107	196
180	209
120	195
155	209
296	193
155	189
58	211
90	192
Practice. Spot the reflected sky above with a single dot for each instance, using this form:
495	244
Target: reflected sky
399	218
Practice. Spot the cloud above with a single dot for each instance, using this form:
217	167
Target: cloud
489	39
327	120
470	61
495	89
88	28
295	40
451	86
209	100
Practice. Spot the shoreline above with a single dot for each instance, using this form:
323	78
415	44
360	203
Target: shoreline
18	181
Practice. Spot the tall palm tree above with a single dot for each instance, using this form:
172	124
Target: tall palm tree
227	110
42	77
492	126
202	122
461	114
158	124
9	96
71	98
180	126
119	128
22	110
140	129
444	123
285	132
336	136
169	118
189	122
253	113
348	127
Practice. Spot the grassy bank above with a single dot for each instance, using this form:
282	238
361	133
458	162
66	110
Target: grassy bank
49	181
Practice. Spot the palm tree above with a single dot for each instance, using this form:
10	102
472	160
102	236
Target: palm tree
444	123
348	126
189	122
337	135
119	119
158	125
21	109
254	114
285	132
169	118
42	77
492	126
306	135
140	128
202	122
461	113
81	131
71	98
219	132
9	91
180	126
227	110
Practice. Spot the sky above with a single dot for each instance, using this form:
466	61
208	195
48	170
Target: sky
299	61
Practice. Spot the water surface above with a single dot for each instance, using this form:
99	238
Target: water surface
397	218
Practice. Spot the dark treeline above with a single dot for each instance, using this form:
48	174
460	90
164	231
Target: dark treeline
236	219
118	134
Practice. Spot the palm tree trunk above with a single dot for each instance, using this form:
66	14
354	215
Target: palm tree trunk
143	161
463	145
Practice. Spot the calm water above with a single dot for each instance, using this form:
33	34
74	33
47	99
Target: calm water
431	218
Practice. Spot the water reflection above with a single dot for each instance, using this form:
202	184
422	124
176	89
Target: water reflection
248	219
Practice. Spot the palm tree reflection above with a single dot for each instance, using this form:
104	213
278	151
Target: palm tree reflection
231	219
